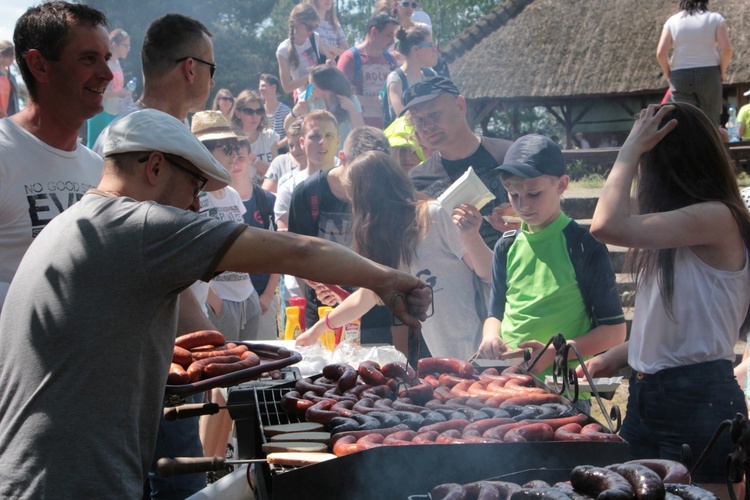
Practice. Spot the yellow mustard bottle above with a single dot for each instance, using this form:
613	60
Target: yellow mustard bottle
328	339
292	329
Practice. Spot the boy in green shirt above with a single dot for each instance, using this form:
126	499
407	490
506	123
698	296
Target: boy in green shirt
551	276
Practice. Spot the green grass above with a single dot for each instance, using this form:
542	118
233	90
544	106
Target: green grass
591	181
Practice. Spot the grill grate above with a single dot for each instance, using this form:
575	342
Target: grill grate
268	405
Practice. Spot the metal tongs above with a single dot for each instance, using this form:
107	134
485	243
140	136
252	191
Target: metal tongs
569	379
399	295
738	462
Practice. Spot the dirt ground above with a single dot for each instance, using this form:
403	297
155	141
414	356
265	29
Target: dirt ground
620	399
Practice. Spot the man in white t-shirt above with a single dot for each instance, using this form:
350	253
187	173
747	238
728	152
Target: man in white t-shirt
44	169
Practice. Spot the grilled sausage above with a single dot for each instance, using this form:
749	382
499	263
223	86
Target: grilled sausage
177	375
448	491
293	403
400	371
646	483
195	370
600	483
482	490
182	357
539	494
570	432
200	338
371	374
320	412
248	360
445	365
237	350
595	432
689	492
420	394
358	434
529	432
670	471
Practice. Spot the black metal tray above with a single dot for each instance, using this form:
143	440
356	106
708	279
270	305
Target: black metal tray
271	358
401	471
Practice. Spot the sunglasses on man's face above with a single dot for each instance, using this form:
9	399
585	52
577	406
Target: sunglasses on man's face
211	66
252	111
413	5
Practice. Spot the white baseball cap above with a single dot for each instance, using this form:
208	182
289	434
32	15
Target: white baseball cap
152	130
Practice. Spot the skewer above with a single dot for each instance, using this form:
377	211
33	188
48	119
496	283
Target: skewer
166	467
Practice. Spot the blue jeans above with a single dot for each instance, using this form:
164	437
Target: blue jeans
178	438
684	405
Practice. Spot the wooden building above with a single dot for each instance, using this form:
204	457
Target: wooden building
591	63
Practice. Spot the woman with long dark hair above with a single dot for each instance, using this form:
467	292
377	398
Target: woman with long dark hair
395	226
689	240
333	92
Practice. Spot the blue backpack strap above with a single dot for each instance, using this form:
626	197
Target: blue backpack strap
357	65
500	270
390	59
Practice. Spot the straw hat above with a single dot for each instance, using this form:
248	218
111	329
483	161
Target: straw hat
212	126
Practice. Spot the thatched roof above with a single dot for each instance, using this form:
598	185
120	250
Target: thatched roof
537	49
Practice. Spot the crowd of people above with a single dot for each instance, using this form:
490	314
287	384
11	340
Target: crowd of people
181	219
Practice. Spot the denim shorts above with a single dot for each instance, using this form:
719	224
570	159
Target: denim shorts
684	405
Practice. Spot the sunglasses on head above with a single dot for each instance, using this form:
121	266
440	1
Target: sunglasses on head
406	5
252	111
212	66
431	86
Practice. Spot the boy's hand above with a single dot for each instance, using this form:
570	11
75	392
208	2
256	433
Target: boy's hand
491	347
499	218
536	347
597	367
467	218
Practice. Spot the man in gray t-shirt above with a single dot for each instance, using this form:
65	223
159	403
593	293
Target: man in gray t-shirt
89	324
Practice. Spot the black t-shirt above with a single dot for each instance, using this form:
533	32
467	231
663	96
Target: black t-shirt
483	164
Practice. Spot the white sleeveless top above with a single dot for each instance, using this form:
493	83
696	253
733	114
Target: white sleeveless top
709	306
694	39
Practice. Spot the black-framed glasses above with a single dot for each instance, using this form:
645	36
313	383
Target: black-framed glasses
211	65
195	175
225	98
413	5
252	111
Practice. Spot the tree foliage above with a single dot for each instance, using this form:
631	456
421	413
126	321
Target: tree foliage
247	32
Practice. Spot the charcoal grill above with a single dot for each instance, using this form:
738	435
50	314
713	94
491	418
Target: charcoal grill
400	471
